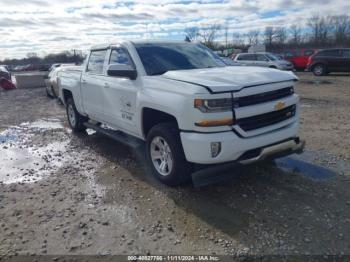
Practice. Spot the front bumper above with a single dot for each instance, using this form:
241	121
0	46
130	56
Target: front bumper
197	146
287	67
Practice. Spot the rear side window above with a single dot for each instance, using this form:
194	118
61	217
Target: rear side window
96	61
119	56
247	57
328	53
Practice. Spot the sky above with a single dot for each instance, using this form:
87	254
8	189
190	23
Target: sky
51	26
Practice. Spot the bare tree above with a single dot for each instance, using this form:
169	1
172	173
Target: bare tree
320	28
280	34
296	33
191	33
208	34
237	39
253	37
341	28
226	34
269	35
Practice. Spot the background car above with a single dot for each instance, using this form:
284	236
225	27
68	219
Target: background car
329	60
229	62
263	59
52	88
4	73
299	57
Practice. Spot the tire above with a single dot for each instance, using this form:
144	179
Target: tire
319	70
53	92
75	120
163	141
48	94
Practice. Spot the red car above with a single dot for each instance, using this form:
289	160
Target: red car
299	57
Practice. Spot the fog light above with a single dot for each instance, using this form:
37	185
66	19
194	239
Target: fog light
215	148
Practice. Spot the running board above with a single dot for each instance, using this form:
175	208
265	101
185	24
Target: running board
117	136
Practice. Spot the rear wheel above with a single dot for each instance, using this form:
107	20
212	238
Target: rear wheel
76	121
319	70
166	156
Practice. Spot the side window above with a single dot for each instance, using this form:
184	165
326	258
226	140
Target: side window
241	57
96	61
119	56
346	53
309	52
288	54
247	57
329	53
260	57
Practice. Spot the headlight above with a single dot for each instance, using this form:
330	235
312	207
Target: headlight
213	105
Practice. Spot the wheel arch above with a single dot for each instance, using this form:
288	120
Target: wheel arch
151	117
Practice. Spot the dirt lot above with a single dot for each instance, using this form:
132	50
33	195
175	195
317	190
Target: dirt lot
62	193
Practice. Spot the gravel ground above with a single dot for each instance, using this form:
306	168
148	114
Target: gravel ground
66	194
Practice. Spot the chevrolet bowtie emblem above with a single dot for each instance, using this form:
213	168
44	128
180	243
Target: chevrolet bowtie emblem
280	105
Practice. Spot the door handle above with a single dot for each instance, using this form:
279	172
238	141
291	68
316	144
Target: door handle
83	81
106	85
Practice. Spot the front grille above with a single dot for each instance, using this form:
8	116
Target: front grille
259	121
263	97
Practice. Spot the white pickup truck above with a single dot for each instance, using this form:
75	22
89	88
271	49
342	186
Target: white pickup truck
185	103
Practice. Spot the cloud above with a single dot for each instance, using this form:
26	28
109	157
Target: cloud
45	26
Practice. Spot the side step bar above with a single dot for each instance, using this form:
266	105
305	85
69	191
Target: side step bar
117	136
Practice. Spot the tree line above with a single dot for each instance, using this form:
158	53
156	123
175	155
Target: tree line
318	32
74	56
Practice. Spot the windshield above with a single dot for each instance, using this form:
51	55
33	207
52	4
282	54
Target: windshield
158	58
273	57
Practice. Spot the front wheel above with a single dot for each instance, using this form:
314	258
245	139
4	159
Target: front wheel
319	70
76	121
166	156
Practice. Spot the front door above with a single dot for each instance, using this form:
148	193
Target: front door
120	94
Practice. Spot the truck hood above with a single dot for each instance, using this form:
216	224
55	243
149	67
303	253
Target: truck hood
230	79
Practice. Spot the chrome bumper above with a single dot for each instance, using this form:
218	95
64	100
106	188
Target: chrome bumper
278	150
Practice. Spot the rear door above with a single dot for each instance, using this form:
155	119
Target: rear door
261	60
346	60
333	59
92	86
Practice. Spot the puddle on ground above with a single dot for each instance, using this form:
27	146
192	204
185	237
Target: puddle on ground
314	171
317	82
23	161
50	123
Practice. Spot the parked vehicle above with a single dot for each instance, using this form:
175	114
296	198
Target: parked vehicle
183	101
263	59
4	73
329	60
229	62
299	57
52	88
6	84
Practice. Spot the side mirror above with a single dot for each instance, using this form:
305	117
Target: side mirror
121	70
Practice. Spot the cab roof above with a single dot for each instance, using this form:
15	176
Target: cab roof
141	41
